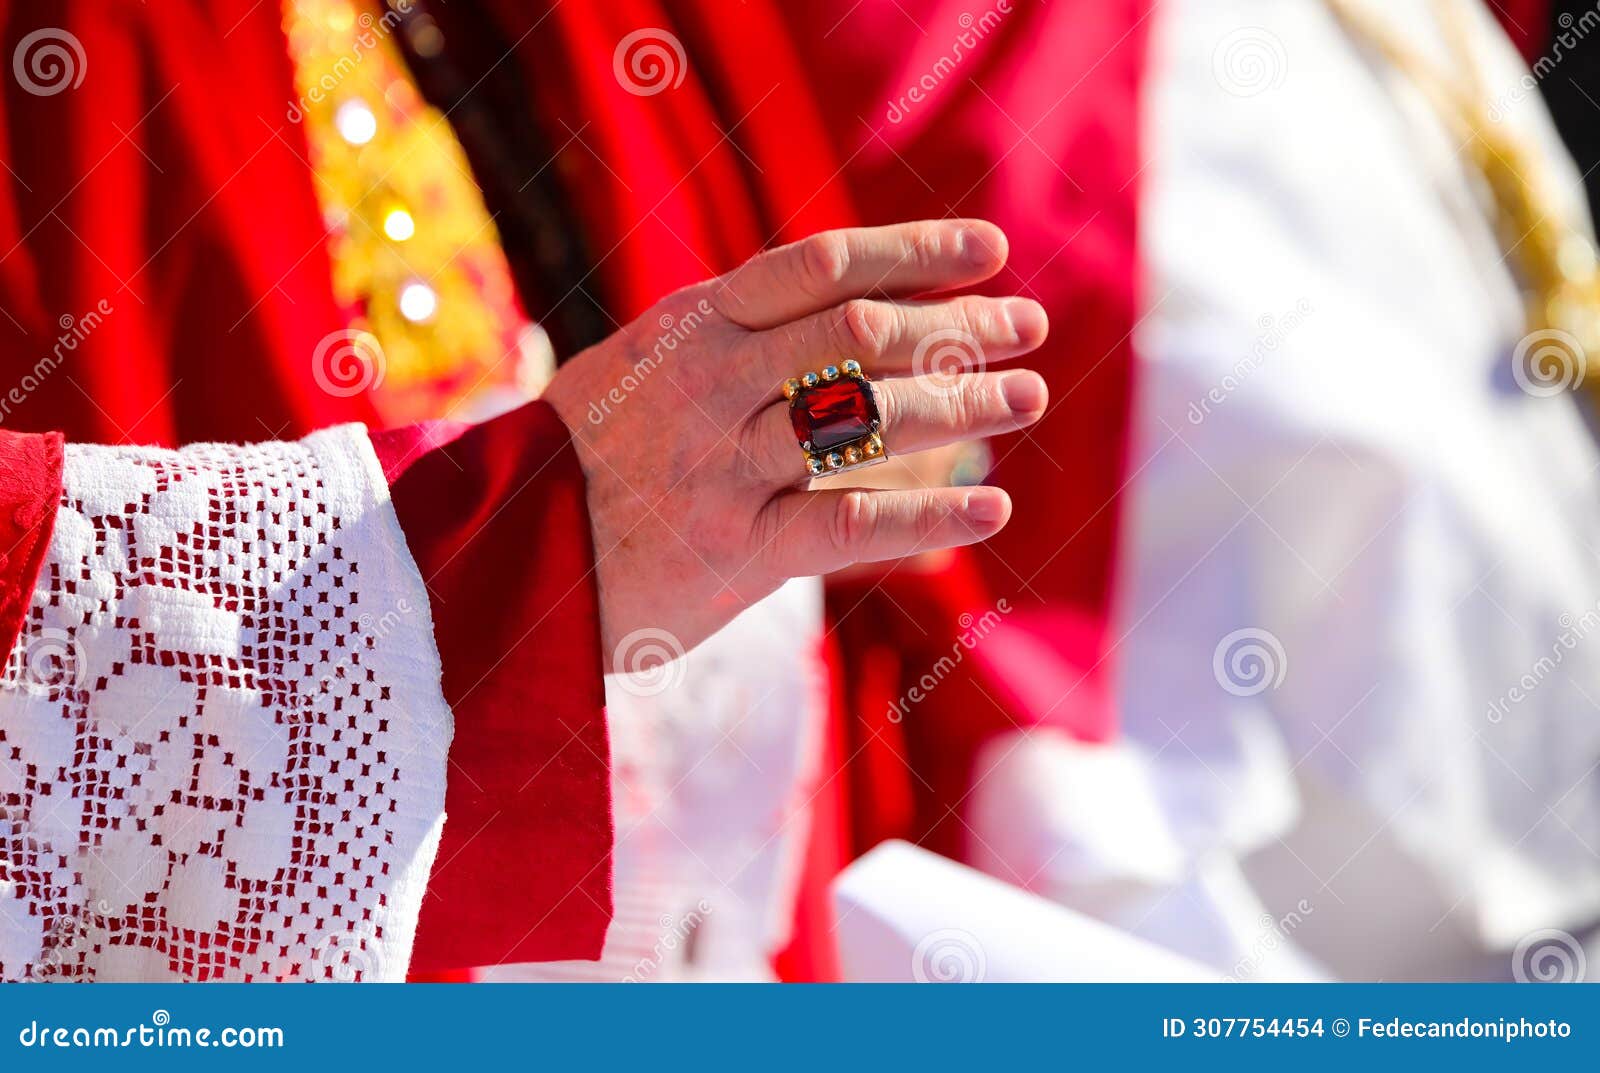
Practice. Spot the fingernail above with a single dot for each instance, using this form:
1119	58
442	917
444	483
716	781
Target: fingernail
986	506
1025	393
978	247
1028	320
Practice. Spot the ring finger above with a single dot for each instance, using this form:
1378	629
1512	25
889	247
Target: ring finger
915	414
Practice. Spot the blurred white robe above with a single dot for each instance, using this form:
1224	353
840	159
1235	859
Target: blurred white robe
1359	649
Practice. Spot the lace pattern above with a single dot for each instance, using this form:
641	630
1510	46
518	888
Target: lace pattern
222	736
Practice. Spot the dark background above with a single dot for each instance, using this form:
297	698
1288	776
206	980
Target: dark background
1573	90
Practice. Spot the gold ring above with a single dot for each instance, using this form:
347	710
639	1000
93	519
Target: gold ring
836	419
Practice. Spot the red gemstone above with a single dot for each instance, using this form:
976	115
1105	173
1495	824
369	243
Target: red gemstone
833	414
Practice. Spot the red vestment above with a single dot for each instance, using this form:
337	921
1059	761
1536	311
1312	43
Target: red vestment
178	206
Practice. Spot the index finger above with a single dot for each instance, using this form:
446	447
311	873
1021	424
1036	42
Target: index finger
819	272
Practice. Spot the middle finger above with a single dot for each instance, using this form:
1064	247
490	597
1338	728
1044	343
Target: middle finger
896	338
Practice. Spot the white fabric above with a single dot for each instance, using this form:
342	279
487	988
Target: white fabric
715	763
222	736
1338	476
1081	824
906	915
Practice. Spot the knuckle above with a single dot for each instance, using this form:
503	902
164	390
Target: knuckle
824	260
929	245
723	295
867	326
910	407
980	400
978	317
773	549
854	518
693	300
962	407
939	409
931	512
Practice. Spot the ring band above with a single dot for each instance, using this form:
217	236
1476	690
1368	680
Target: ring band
836	419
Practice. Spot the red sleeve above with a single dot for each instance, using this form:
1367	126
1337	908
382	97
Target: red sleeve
30	488
495	516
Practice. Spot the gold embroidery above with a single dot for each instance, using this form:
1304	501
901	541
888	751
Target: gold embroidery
416	257
1554	256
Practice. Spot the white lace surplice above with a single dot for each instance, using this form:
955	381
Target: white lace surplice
222	736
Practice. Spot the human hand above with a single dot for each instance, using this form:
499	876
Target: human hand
697	485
